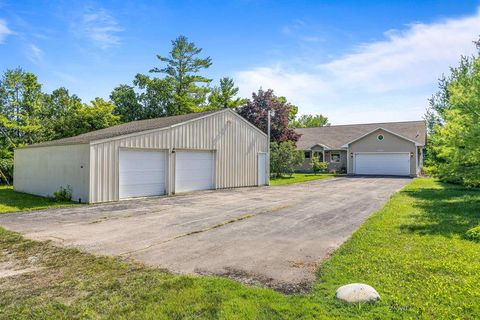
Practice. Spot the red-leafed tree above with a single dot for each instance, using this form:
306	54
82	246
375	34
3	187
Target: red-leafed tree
256	111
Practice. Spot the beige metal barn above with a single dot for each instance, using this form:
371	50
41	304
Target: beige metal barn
209	150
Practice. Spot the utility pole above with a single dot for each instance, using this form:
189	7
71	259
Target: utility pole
268	144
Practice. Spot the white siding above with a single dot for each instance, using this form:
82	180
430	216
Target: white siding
235	142
390	143
43	170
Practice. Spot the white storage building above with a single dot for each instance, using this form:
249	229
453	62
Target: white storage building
209	150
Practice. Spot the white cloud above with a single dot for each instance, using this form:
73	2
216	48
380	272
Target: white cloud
35	54
101	27
298	29
4	31
378	81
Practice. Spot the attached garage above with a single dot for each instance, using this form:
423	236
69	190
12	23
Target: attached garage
382	163
209	150
382	152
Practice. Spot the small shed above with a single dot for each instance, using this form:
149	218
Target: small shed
198	151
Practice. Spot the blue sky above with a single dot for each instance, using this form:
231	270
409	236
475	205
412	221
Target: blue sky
353	61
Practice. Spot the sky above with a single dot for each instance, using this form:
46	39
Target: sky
352	61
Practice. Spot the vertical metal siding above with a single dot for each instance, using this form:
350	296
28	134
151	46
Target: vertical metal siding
236	144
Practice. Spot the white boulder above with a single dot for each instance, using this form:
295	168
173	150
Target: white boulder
357	292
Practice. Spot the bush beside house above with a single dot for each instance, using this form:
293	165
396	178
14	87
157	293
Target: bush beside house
318	166
284	158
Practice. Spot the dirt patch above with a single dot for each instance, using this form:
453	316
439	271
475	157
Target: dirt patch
10	269
260	281
309	266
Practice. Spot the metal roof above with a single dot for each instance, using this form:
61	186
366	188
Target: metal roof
124	129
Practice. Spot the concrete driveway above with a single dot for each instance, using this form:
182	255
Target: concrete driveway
271	236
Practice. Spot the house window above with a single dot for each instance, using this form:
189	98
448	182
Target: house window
335	157
380	137
307	154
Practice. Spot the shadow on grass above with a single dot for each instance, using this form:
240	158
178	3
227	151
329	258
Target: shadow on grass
448	211
11	201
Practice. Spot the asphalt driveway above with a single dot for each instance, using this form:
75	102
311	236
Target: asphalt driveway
272	236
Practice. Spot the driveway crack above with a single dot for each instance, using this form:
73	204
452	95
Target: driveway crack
216	226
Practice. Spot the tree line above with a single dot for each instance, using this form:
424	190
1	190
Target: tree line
29	115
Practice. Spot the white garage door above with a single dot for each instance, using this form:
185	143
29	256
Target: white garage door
141	173
194	170
396	164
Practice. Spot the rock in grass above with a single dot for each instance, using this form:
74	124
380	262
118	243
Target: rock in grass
357	292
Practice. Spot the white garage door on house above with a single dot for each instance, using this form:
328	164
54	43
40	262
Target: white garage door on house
194	170
141	173
383	163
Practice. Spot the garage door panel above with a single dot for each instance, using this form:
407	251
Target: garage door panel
382	163
142	177
194	170
141	173
132	191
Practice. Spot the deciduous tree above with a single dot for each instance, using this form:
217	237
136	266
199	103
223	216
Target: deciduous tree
310	121
56	113
284	158
126	103
20	101
256	111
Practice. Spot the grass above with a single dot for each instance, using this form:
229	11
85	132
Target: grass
11	201
413	251
300	177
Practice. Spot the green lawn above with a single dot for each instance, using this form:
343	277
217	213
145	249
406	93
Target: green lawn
300	177
11	201
412	251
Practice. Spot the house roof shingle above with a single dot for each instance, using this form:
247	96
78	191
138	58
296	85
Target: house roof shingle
123	129
334	137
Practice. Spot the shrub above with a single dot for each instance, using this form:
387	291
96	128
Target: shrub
6	168
284	158
318	166
63	194
473	234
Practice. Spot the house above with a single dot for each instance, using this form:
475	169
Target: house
209	150
392	148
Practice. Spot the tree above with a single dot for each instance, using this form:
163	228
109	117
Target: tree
310	121
224	96
284	158
317	165
56	113
181	70
63	115
256	111
156	97
126	103
454	125
94	116
20	100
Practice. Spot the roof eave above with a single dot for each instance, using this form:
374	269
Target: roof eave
386	130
